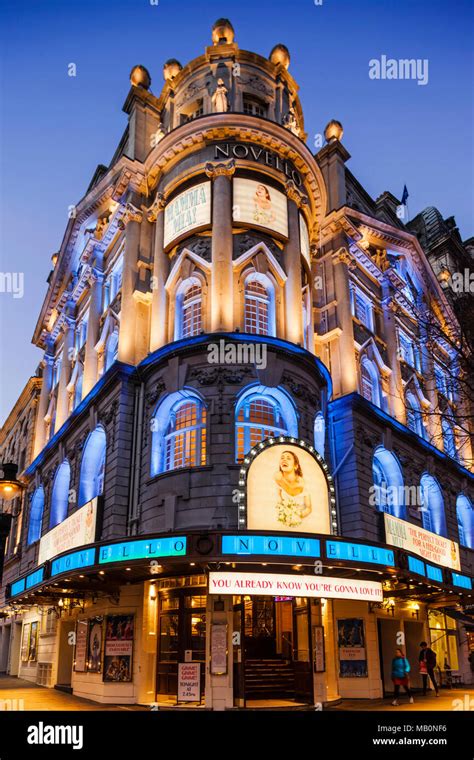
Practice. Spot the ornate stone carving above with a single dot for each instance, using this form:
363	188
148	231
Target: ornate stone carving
224	169
219	100
199	245
153	395
256	84
290	122
219	375
131	214
295	195
156	207
301	391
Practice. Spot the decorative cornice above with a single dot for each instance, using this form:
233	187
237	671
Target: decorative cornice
224	169
156	207
295	195
131	214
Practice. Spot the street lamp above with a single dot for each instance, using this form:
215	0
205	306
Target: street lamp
10	488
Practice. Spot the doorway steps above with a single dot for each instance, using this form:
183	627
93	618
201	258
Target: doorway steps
269	678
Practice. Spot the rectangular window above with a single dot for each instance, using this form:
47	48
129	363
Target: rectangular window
407	353
362	308
254	107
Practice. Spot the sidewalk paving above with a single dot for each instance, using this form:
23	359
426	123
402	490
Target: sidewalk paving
461	698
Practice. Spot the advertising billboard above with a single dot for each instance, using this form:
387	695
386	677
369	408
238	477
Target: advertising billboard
189	210
430	546
260	205
77	530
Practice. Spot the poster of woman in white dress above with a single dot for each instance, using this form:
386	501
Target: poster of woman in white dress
287	491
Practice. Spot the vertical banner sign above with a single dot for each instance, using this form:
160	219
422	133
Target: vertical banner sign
318	648
118	648
219	649
352	651
80	652
94	646
189	682
25	642
33	645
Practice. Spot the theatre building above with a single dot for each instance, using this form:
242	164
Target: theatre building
236	408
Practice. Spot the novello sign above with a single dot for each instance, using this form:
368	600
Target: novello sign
256	153
263	584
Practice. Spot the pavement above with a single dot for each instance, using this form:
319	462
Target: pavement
18	694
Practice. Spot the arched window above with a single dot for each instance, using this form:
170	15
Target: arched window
259	310
449	439
188	308
91	479
388	483
111	349
433	515
414	415
465	517
60	493
262	413
36	515
319	433
78	386
178	433
370	381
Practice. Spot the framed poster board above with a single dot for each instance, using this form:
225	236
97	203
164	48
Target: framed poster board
118	651
352	649
219	649
260	205
189	682
33	643
94	645
80	651
25	642
318	649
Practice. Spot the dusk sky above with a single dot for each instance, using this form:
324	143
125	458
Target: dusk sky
55	129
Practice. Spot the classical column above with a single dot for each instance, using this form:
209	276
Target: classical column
43	403
292	262
62	403
390	308
128	312
159	299
96	280
222	296
347	359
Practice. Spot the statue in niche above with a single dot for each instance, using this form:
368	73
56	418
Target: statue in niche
291	122
219	99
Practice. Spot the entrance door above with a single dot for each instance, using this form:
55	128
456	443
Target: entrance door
65	658
388	631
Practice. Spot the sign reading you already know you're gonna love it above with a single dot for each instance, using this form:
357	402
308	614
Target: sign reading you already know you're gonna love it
271	584
442	551
188	211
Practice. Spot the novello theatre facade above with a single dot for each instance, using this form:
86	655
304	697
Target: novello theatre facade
197	525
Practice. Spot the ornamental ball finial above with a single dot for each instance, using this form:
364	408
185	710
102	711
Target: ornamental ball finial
333	131
222	32
140	77
171	69
280	54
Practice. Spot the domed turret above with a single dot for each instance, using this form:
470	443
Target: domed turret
223	32
171	69
140	77
333	131
280	54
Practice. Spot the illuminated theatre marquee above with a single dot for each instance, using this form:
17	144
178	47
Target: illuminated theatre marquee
442	551
263	584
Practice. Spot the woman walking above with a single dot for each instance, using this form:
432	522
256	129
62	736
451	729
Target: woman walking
400	670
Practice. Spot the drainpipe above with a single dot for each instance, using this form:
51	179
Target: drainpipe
135	460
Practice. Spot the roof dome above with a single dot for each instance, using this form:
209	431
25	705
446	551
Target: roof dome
140	77
222	32
280	54
333	131
171	68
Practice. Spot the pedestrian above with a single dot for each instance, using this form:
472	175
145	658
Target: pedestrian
400	670
427	661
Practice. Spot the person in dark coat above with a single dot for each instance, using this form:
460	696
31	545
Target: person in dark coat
400	670
427	660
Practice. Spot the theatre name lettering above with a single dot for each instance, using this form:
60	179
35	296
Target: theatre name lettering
258	154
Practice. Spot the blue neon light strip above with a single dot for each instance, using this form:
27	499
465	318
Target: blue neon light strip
276	545
33	578
73	561
17	587
416	566
360	553
462	580
151	549
435	573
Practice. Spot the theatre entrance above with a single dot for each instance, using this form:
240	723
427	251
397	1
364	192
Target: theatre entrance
273	658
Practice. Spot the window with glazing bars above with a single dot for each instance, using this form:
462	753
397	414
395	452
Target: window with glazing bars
257	419
367	384
191	311
185	437
257	303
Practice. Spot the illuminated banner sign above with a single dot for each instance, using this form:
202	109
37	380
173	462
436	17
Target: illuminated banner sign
17	587
73	561
260	205
422	542
462	580
304	240
277	545
34	578
130	550
189	210
287	491
268	584
421	568
77	530
360	553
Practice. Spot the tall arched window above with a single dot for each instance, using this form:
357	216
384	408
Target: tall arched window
370	381
388	482
111	349
449	439
179	433
91	480
78	385
262	413
414	415
36	515
188	308
433	514
259	311
319	433
465	517
60	493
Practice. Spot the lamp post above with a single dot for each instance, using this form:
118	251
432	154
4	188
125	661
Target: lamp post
10	488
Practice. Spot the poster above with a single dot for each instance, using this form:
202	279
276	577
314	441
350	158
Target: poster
25	642
188	211
304	240
430	546
33	643
318	649
189	682
119	631
77	530
287	490
219	649
94	646
352	652
260	205
80	653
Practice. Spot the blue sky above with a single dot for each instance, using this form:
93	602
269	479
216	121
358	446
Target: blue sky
55	129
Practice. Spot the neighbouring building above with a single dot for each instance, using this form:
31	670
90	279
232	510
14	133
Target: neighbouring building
251	472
